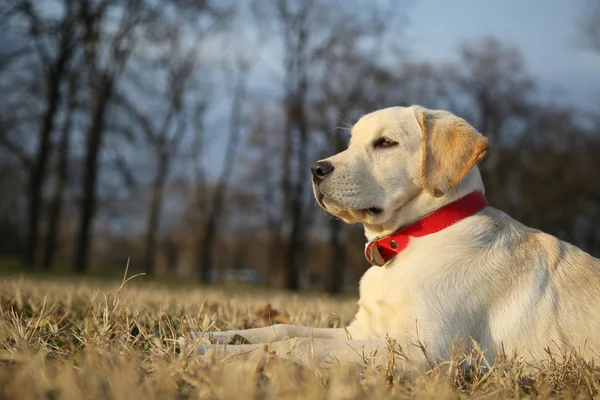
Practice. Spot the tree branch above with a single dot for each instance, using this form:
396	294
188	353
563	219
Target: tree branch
35	26
138	116
15	149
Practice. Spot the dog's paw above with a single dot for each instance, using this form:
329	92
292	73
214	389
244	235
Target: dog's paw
220	349
200	344
201	337
190	342
226	337
205	349
207	342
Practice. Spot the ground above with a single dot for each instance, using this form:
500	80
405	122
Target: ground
73	339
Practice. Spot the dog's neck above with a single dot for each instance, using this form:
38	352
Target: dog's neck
423	204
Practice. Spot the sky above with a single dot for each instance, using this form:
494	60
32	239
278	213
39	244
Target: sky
546	32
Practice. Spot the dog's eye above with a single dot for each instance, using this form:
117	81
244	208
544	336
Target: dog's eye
383	142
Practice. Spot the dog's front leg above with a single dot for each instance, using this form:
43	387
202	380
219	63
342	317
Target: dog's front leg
311	351
273	333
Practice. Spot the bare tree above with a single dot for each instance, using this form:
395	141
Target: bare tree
107	51
263	159
492	78
54	42
493	75
61	175
590	27
216	206
294	20
166	148
12	47
200	186
349	72
426	84
164	134
307	32
314	37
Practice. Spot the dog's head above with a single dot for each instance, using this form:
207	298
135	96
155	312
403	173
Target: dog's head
394	155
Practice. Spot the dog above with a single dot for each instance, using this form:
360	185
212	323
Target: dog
448	270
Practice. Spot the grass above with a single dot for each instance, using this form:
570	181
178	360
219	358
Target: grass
62	339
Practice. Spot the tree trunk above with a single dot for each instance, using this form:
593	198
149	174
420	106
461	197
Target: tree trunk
206	247
274	256
88	201
296	241
293	249
338	257
274	223
286	186
54	76
156	202
38	171
62	177
338	250
216	210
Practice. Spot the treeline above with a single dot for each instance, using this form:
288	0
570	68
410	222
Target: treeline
181	133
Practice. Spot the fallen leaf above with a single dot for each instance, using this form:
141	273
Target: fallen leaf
266	315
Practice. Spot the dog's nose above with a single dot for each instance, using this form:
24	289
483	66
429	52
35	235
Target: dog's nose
320	170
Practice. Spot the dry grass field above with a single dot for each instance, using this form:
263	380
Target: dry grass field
75	339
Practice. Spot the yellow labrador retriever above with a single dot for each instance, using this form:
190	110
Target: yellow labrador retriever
447	268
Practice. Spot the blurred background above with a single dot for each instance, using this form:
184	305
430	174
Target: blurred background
180	133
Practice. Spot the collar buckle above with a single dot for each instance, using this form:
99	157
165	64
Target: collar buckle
373	254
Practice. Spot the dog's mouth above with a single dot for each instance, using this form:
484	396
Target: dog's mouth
319	196
372	210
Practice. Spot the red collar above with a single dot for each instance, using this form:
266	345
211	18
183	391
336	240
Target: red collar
380	250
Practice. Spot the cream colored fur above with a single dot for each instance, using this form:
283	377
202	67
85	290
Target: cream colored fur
487	278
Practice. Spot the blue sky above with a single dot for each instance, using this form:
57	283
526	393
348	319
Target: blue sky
546	31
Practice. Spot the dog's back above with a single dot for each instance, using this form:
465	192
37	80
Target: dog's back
548	291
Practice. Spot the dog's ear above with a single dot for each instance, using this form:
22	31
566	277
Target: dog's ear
450	147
